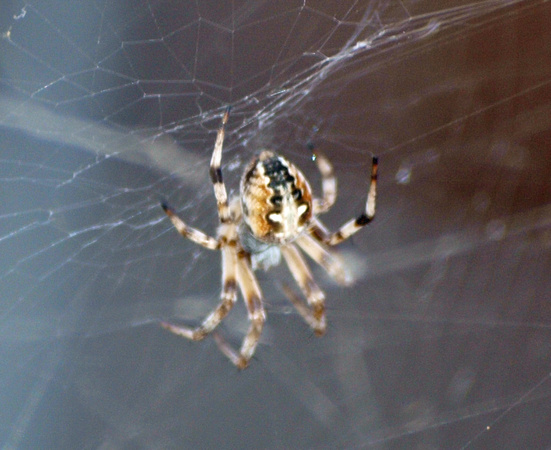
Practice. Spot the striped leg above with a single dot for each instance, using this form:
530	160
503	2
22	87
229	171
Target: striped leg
253	301
351	227
219	191
315	250
216	173
328	183
227	300
191	233
318	231
315	317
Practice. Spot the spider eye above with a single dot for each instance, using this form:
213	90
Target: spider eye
297	194
276	200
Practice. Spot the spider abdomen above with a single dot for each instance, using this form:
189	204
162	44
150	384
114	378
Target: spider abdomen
276	199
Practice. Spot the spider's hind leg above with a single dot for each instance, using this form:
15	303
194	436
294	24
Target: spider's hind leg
352	226
216	172
190	233
328	182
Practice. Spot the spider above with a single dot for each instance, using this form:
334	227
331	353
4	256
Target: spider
274	214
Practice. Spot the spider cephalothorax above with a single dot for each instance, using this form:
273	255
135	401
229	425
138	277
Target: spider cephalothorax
276	199
276	211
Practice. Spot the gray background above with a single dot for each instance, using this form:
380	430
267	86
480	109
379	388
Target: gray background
108	108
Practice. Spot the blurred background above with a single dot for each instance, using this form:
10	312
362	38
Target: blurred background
108	108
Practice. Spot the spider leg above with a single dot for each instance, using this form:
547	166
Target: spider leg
318	231
352	226
302	309
328	182
191	233
315	317
216	173
331	263
227	300
253	301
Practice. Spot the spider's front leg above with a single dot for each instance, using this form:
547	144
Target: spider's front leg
330	262
253	301
315	317
227	300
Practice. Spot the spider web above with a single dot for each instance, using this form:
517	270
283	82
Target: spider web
108	108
